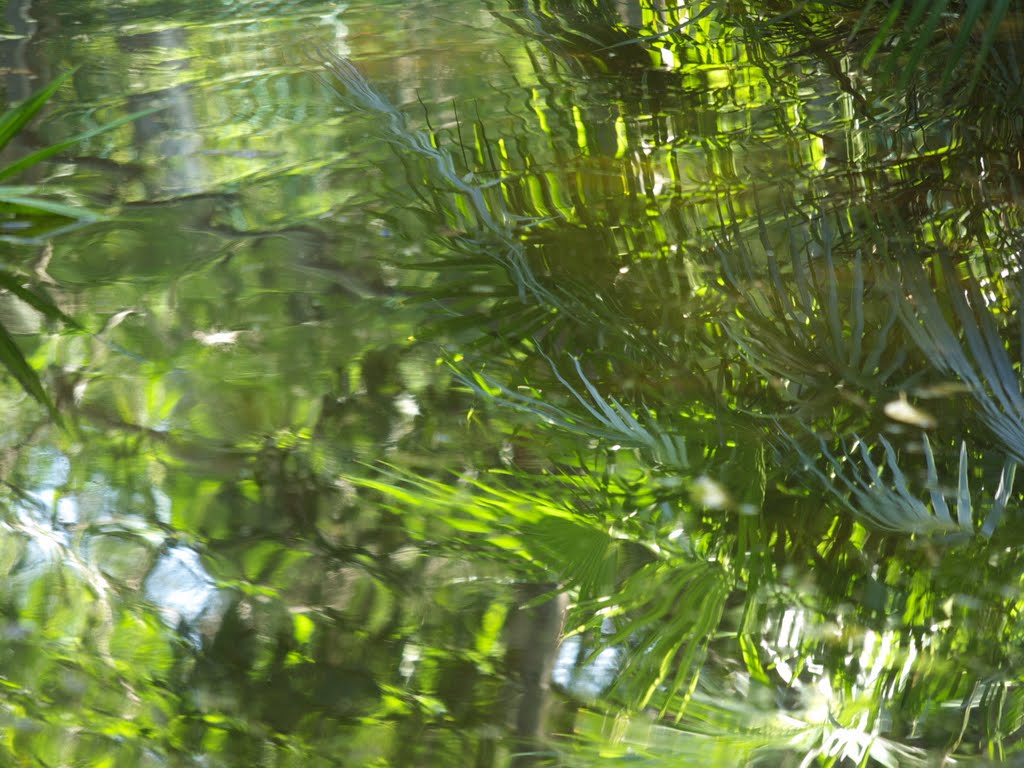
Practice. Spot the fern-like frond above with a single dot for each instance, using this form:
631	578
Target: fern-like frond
878	491
602	418
802	322
980	360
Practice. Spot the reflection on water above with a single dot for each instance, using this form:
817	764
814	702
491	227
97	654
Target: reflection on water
182	589
516	384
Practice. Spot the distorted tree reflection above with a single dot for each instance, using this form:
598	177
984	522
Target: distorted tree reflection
808	296
668	412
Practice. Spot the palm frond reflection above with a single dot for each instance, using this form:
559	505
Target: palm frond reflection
880	493
703	575
978	352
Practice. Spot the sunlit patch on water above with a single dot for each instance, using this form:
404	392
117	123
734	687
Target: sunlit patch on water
185	594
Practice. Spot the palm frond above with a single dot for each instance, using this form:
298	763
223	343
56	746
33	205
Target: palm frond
533	526
796	324
908	33
981	360
603	418
667	612
490	216
492	230
879	492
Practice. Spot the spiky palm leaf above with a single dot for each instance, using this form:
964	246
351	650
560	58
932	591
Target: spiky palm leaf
880	494
980	359
799	327
667	609
909	31
603	418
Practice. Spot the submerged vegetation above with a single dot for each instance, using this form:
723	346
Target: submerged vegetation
670	413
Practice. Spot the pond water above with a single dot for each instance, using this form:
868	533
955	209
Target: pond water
514	383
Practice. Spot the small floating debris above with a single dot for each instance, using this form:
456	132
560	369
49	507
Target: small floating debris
216	338
902	411
710	494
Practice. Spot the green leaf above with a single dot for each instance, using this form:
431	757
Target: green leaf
963	39
880	36
999	11
923	34
752	659
48	206
14	361
963	502
36	157
13	120
35	299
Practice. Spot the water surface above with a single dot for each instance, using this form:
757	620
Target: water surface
520	395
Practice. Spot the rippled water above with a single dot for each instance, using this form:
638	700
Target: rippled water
522	395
